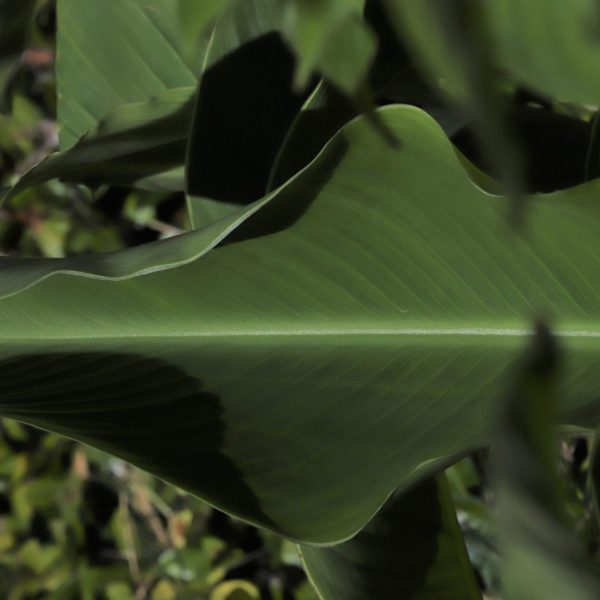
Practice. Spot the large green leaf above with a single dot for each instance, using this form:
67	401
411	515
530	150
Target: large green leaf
360	325
412	549
111	53
323	114
136	130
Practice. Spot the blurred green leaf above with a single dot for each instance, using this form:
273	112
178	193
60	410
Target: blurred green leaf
163	590
38	558
118	591
329	37
549	45
542	556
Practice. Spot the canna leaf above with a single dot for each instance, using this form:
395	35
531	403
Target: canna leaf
357	328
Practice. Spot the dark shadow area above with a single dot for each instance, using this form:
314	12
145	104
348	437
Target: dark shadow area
312	129
245	107
393	77
111	204
553	147
143	410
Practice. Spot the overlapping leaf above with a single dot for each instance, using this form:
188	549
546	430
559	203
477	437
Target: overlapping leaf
112	53
135	144
141	142
17	274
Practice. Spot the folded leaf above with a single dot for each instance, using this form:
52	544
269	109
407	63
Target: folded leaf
17	274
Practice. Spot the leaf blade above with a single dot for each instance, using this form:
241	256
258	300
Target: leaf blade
335	337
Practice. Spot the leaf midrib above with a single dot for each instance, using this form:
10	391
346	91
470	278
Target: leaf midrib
324	332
